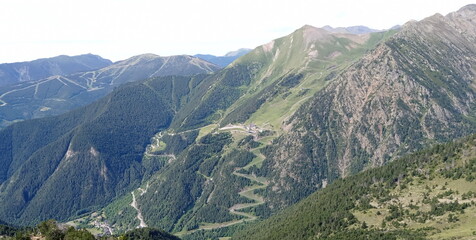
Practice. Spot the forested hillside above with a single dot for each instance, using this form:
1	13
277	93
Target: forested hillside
83	159
428	194
51	229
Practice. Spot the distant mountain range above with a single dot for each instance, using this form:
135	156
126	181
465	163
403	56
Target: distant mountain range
224	61
12	73
59	93
356	29
351	30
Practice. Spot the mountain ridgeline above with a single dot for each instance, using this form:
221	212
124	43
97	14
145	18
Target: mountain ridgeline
204	156
58	94
351	30
224	61
12	73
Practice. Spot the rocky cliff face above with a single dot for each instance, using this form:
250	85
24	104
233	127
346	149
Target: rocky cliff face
413	89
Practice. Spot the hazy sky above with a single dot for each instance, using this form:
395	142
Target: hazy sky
118	29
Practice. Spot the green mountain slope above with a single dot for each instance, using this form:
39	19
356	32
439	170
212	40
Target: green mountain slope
293	69
12	73
428	194
83	159
58	94
278	76
202	173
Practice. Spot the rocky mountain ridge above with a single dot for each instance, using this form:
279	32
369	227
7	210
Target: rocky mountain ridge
414	89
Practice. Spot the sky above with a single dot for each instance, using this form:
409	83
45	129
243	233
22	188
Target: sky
119	29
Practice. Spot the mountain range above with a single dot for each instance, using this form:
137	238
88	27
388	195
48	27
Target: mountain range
320	132
224	61
351	30
58	94
12	73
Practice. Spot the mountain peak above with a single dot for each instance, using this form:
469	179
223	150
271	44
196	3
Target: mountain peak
468	13
307	26
313	34
167	63
310	28
469	7
146	56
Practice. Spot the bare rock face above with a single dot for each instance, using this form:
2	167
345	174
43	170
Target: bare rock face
414	89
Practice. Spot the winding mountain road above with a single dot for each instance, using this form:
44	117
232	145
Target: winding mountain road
247	192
